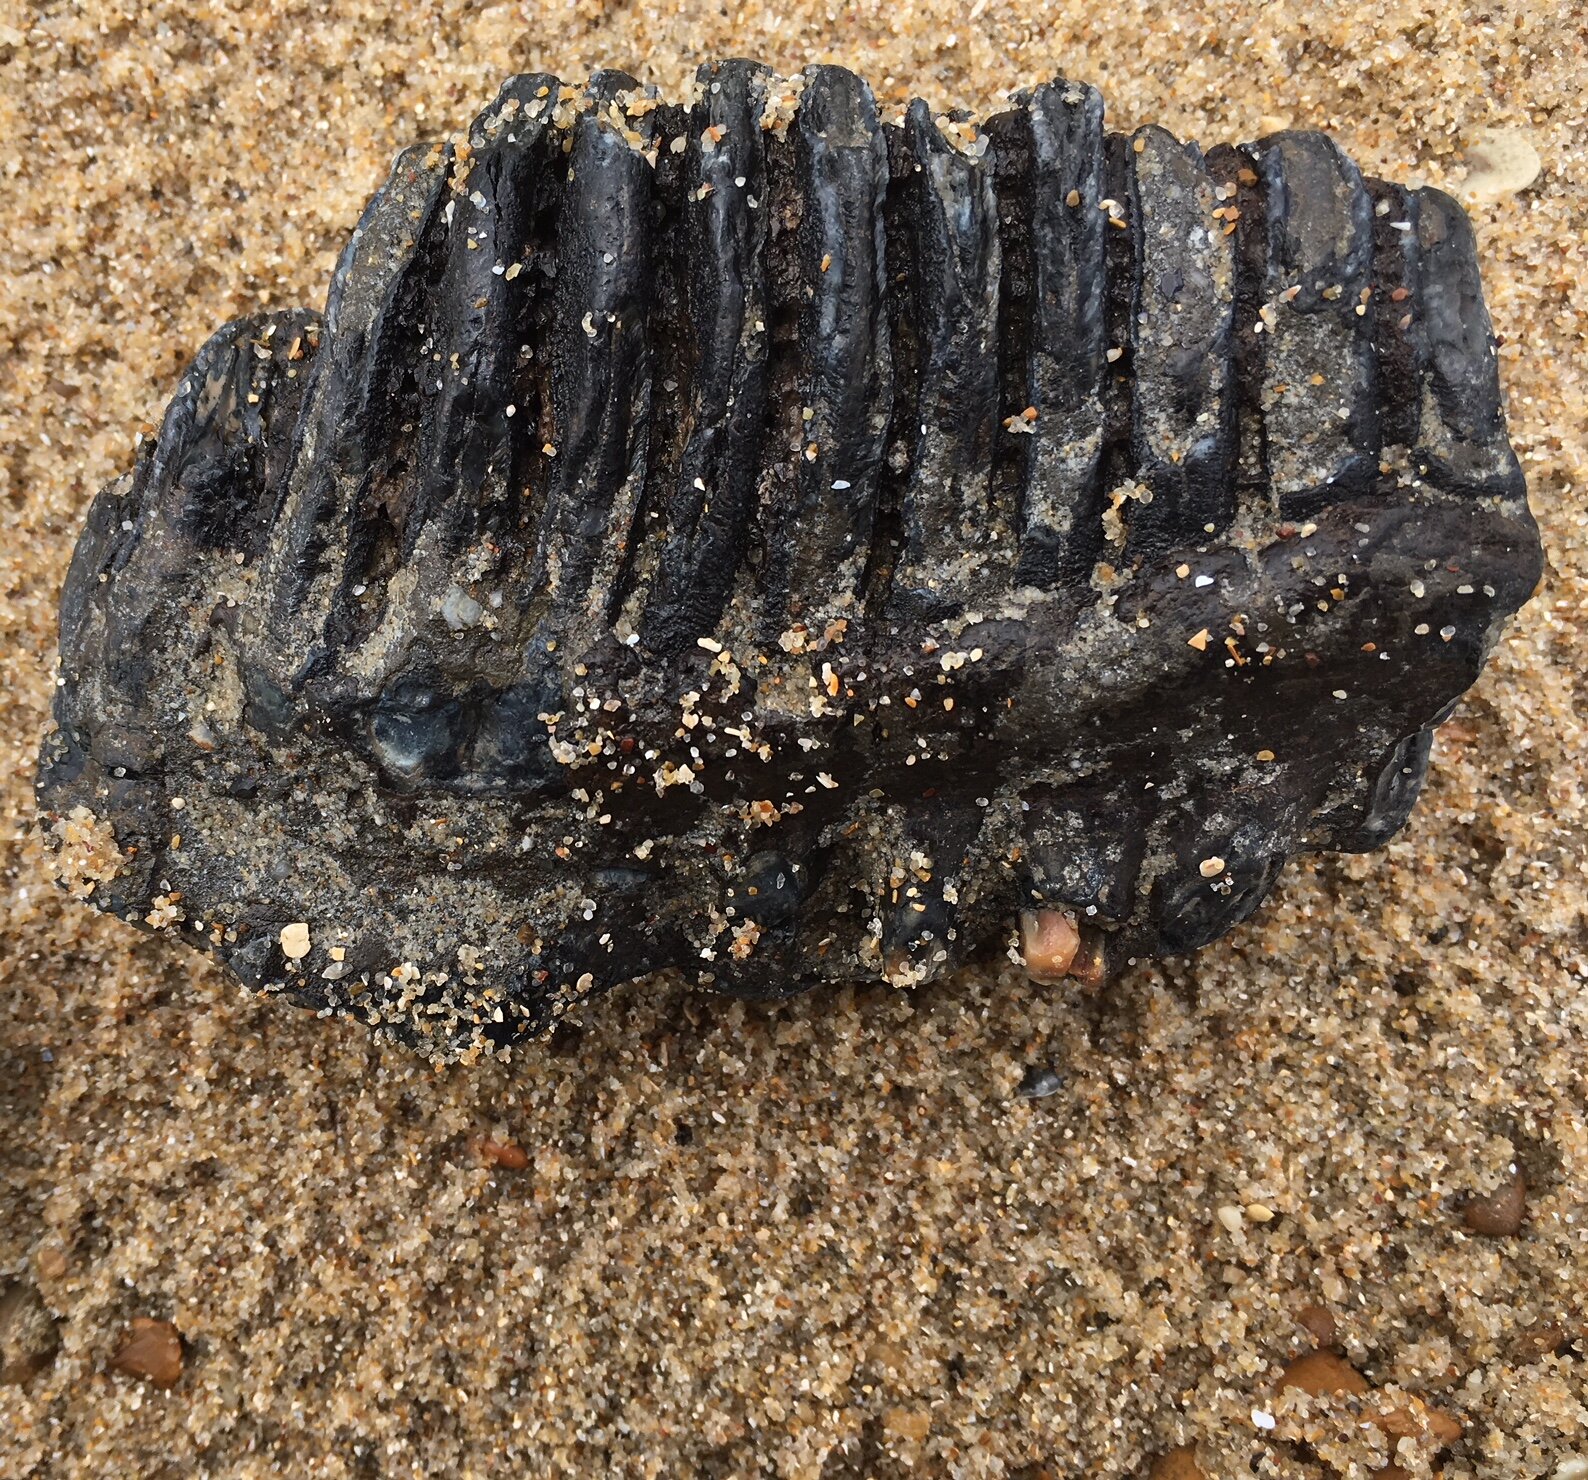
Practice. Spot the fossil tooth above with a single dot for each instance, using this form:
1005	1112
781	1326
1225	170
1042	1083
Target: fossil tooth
769	540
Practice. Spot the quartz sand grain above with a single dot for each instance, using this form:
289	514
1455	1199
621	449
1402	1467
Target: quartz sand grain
826	1239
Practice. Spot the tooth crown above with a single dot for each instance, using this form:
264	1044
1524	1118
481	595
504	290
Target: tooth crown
772	541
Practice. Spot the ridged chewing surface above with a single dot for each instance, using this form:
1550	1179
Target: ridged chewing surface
762	539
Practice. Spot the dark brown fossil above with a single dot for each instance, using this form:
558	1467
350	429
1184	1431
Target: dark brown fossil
761	539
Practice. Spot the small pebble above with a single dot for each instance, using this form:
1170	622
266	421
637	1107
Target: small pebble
1500	1214
506	1154
1500	162
1038	1084
1319	1373
1048	942
1232	1218
1322	1373
150	1349
1319	1324
295	940
1538	1342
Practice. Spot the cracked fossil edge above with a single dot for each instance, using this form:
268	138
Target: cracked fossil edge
758	538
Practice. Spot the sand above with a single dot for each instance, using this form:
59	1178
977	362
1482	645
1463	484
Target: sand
827	1239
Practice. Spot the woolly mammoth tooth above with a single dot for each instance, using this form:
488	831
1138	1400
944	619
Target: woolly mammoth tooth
793	545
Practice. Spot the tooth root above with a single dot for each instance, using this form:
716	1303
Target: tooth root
1081	848
525	101
378	297
1215	878
209	482
381	249
232	419
921	910
609	84
765	952
1397	332
919	935
1081	856
202	496
1381	800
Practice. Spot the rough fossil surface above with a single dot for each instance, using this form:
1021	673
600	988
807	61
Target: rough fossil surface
756	537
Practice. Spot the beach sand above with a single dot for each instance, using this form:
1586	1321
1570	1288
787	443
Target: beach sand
826	1239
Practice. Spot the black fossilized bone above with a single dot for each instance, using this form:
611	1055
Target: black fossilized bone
758	538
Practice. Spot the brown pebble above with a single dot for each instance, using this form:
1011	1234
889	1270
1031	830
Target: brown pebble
1090	966
1048	941
1319	1324
508	1154
50	1262
1177	1464
151	1349
1322	1372
1500	1214
1445	1427
1539	1341
1401	1423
